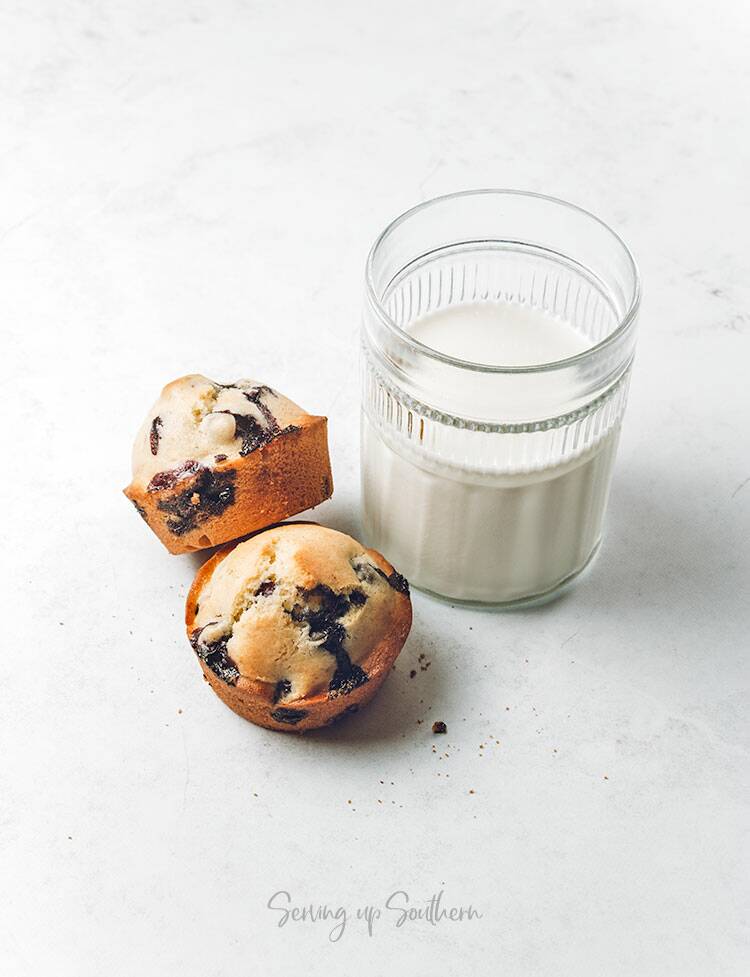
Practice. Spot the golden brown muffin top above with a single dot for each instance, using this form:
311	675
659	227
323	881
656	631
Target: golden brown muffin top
297	606
198	421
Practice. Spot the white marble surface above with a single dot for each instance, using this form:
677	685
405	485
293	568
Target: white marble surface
194	186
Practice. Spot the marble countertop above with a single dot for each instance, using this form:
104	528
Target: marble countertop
193	186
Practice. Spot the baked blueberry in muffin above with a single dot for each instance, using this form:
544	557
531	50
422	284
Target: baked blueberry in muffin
298	625
215	461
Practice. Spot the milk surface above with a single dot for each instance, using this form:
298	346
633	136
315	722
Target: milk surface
485	535
499	333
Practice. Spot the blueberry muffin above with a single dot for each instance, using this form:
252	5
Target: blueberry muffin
216	461
298	625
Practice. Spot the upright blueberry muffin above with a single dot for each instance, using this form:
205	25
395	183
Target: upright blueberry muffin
298	625
216	461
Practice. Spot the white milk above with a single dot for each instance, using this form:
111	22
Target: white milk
498	332
468	533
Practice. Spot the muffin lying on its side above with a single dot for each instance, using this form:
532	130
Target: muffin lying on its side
216	461
298	625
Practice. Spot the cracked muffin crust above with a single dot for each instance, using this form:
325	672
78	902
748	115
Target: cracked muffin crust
215	461
298	625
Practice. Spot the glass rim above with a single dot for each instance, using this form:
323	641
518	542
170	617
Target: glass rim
624	323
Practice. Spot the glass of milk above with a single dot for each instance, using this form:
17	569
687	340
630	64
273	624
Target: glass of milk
498	337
